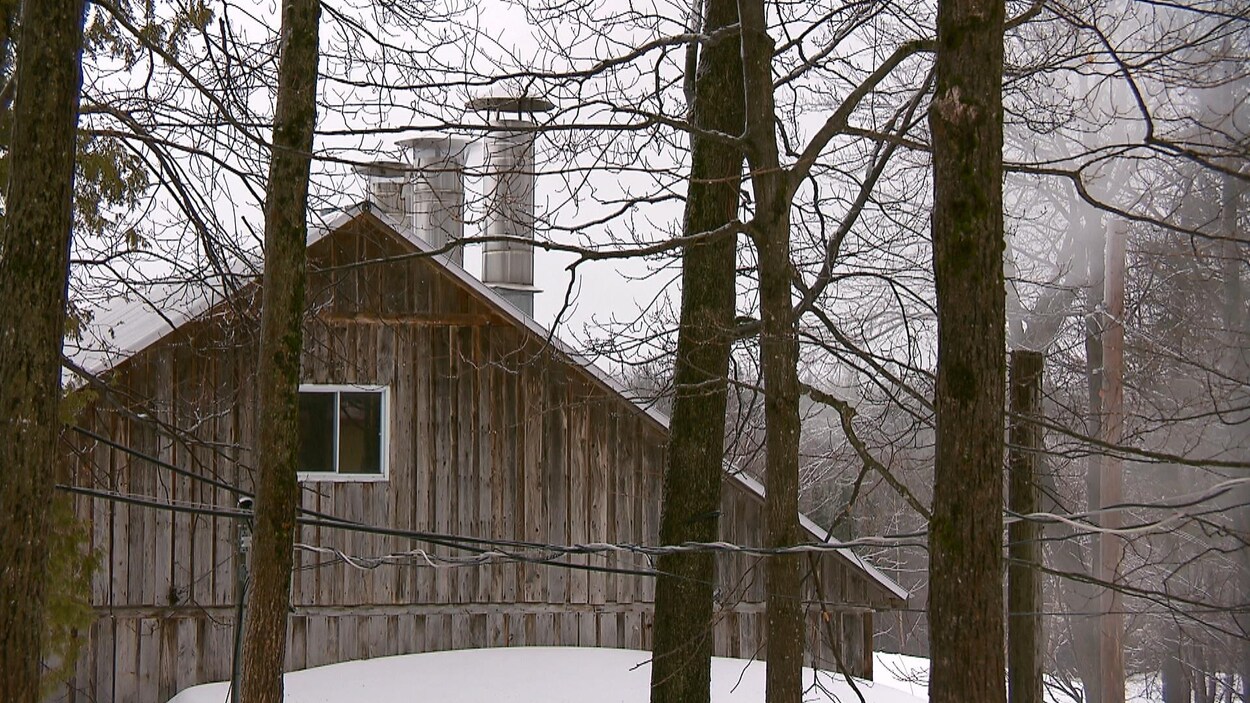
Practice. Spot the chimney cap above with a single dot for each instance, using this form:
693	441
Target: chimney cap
519	105
383	169
427	140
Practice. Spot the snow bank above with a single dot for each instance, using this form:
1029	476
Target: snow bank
533	675
911	674
906	673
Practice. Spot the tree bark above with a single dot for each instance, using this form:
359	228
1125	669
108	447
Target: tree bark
1237	367
682	650
1077	597
34	272
965	119
1024	585
1175	679
1111	488
277	491
1095	294
779	355
1091	667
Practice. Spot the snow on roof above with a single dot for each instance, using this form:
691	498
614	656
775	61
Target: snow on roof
132	322
117	334
533	675
822	535
148	312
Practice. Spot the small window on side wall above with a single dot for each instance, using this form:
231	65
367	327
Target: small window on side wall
342	432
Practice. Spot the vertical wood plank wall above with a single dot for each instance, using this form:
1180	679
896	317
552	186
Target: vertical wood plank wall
492	434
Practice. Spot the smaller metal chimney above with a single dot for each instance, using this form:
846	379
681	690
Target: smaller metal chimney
388	186
508	266
426	193
436	187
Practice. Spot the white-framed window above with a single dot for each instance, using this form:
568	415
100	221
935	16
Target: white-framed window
343	432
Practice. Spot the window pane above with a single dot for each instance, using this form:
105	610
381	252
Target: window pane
360	433
316	431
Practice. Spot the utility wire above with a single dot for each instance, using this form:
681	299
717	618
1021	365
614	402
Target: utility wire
441	540
444	540
461	542
582	549
549	555
498	547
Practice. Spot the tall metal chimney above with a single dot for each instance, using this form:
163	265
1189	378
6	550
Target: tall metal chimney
436	187
508	266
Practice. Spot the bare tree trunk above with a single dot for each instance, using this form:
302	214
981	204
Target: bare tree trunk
282	312
1110	492
1097	261
682	651
1024	585
1238	369
779	355
1198	675
1091	666
1175	679
965	536
1078	597
34	271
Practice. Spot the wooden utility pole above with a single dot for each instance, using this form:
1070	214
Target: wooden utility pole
1111	480
1024	586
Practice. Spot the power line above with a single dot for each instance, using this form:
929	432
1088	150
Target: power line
550	554
441	540
462	542
477	544
582	549
486	551
434	538
498	547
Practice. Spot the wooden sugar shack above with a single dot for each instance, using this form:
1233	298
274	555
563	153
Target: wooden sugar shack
431	403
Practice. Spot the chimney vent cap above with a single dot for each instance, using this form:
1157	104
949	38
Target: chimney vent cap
432	140
383	169
502	104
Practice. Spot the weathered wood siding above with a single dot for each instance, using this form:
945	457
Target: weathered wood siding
492	434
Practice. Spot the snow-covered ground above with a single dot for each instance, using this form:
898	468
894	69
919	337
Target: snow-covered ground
576	675
540	675
911	674
900	671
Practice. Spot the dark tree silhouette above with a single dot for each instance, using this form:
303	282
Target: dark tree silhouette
281	340
34	270
682	652
965	540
